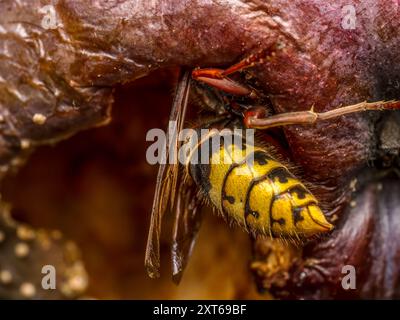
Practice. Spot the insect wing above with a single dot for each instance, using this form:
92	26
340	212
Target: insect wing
166	177
187	223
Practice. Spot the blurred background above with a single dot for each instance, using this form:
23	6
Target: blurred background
97	189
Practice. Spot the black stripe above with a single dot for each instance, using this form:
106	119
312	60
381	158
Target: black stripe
223	193
247	209
300	190
282	174
257	156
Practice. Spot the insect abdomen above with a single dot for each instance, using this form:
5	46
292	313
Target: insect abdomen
261	195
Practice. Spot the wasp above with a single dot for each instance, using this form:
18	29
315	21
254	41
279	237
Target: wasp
261	196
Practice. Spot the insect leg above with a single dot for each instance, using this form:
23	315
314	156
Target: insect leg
218	78
256	119
251	61
225	84
248	62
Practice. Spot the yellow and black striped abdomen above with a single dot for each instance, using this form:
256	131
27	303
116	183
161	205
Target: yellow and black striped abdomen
259	193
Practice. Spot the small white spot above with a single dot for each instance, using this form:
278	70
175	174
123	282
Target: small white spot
25	144
25	233
27	290
78	283
353	185
21	250
379	187
39	118
5	277
353	204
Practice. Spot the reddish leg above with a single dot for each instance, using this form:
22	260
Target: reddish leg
218	78
227	85
255	118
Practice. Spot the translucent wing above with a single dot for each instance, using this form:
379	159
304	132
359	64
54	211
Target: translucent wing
167	176
186	226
